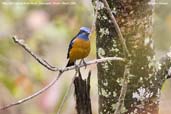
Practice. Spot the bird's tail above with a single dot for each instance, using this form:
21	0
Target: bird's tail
70	63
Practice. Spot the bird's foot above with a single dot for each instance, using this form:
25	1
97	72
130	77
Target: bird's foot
85	64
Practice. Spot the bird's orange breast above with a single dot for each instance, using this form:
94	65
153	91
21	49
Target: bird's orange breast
80	49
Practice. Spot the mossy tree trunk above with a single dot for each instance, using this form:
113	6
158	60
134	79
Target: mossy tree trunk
135	20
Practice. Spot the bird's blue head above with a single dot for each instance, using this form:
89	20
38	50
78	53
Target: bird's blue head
84	33
85	29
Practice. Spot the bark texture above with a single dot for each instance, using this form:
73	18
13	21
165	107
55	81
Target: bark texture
135	20
82	94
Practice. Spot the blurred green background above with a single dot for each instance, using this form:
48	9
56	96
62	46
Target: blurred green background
48	29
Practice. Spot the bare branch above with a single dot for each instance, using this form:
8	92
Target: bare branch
96	61
55	80
122	40
61	71
40	60
33	95
52	68
123	90
66	95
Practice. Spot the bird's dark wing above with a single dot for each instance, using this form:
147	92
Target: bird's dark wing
70	46
71	43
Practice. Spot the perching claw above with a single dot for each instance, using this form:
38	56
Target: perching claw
84	63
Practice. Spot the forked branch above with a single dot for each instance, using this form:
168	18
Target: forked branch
55	69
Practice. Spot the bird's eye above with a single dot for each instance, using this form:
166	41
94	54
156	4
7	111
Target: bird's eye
84	33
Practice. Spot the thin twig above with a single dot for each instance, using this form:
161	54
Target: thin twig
60	73
50	67
123	90
40	60
68	91
122	40
66	95
95	61
33	95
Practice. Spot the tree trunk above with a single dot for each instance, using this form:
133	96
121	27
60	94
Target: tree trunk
135	20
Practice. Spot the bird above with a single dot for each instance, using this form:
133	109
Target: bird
79	47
